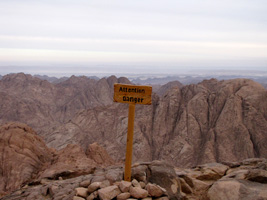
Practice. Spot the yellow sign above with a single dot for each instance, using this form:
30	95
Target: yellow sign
124	93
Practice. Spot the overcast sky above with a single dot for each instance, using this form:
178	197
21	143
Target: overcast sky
134	36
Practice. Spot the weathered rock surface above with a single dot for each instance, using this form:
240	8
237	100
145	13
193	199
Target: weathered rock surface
25	159
23	154
213	121
231	185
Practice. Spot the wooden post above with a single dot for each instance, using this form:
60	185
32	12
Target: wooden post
129	147
131	94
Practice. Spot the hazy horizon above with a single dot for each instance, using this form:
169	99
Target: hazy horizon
138	37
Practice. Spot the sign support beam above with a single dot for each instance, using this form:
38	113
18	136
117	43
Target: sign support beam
131	94
129	147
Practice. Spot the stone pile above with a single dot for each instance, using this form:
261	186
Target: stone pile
120	190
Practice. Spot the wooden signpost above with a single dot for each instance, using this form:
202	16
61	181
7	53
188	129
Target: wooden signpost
131	94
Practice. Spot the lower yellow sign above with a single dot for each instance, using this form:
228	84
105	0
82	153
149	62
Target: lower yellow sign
124	93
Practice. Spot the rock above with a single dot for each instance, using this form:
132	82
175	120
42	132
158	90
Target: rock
147	198
154	190
257	175
125	186
92	196
200	186
164	175
185	187
135	183
94	186
114	174
23	155
212	171
85	183
123	196
99	155
237	189
77	198
109	193
142	184
69	162
138	192
139	172
104	184
53	189
81	192
162	198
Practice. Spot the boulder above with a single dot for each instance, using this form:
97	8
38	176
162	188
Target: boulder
212	171
237	189
135	183
23	155
138	192
125	186
94	186
81	192
154	190
164	175
109	193
123	196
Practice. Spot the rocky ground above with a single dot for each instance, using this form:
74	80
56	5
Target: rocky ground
157	180
31	170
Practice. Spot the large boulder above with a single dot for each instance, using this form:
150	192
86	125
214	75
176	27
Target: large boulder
23	155
164	175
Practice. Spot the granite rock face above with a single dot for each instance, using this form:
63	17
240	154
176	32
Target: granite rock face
23	154
213	121
26	159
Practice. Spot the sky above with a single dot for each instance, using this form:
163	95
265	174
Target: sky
57	37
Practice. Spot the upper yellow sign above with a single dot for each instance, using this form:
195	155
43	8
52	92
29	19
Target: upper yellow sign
135	94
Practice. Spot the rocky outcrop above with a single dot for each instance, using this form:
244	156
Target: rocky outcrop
23	154
25	159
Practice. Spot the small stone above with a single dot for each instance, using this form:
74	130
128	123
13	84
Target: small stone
109	193
104	184
92	196
142	184
135	183
154	190
125	186
77	198
81	192
123	196
185	187
138	192
94	186
98	179
162	198
53	190
147	198
85	183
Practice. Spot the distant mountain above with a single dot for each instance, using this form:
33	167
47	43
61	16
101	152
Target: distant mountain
59	80
194	79
44	105
1	77
212	121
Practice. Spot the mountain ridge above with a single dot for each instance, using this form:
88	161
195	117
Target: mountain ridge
212	121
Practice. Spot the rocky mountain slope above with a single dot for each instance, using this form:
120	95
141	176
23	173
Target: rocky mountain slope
26	158
213	121
30	170
209	122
